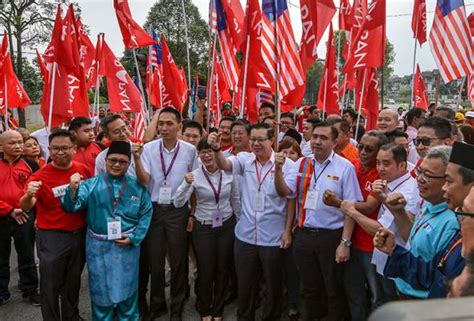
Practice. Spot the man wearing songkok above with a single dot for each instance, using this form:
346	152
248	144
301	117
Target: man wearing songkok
118	216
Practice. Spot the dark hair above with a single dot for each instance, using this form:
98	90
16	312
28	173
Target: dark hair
399	153
350	111
241	122
30	137
61	133
392	135
312	108
269	129
227	118
187	123
345	127
451	112
77	123
203	144
288	115
441	126
100	136
267	105
313	121
173	111
412	113
288	142
104	123
334	131
381	137
467	175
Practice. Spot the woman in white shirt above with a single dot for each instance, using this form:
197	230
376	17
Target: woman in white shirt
217	208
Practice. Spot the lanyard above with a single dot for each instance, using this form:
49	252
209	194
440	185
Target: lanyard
260	182
400	184
321	173
218	192
111	194
445	257
163	166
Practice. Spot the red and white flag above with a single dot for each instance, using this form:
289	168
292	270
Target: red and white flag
418	21
369	94
132	33
344	13
420	98
328	96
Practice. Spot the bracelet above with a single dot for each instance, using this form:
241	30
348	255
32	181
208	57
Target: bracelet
216	150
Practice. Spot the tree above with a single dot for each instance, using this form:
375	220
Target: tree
32	80
313	80
167	18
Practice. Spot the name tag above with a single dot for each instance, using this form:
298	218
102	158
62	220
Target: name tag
259	202
311	200
164	196
59	191
114	228
217	218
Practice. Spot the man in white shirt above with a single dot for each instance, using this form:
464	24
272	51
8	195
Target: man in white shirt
161	166
305	145
322	238
263	229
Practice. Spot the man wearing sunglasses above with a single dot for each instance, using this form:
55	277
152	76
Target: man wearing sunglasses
118	216
448	262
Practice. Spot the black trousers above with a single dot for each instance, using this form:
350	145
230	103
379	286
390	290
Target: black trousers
167	234
24	241
213	250
62	258
251	263
321	276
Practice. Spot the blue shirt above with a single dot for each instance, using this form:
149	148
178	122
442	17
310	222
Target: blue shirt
431	232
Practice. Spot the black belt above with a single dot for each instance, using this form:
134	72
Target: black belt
64	231
318	230
164	206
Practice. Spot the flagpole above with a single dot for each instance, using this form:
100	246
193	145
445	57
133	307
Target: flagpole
51	95
460	92
277	83
414	66
7	127
244	87
360	104
324	96
209	101
338	65
145	102
187	41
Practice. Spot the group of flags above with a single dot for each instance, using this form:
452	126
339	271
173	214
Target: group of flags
272	63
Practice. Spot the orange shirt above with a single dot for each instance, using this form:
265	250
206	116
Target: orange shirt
351	153
87	155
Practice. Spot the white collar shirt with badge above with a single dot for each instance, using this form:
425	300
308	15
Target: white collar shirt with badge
335	173
185	161
407	186
257	226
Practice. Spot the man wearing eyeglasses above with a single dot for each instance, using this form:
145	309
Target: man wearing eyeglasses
433	131
118	216
448	262
60	235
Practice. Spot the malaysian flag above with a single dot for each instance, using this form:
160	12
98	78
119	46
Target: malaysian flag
450	40
277	37
218	23
140	117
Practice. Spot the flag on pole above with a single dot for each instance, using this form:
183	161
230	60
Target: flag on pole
369	96
86	47
315	17
279	49
132	33
418	21
420	98
154	72
450	40
344	14
328	96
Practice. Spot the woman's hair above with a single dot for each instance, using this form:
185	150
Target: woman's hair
288	142
203	144
36	140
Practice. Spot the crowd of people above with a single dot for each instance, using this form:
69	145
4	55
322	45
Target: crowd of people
320	219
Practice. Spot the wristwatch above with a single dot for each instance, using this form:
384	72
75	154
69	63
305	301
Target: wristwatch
346	243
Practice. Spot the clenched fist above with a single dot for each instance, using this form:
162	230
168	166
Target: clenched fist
189	178
330	198
75	181
279	160
396	202
379	188
137	150
214	139
33	188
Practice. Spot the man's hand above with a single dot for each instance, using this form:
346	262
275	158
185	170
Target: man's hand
396	203
76	179
348	207
189	227
124	241
33	188
214	139
380	189
286	240
137	150
384	240
279	161
342	253
330	198
189	178
19	216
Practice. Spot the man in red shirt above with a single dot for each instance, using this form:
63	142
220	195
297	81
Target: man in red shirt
14	223
60	236
87	150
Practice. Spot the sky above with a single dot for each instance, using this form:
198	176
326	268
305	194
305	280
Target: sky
100	16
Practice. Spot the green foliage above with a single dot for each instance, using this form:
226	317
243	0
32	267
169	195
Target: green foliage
313	80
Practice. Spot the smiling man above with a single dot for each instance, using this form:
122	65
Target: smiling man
387	120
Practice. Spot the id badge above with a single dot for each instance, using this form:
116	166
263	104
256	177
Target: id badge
114	228
217	218
311	200
259	202
164	196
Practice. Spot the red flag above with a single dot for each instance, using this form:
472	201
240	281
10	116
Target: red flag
86	47
369	95
174	84
470	20
315	17
328	96
344	14
470	88
42	67
368	46
420	98
124	96
418	21
132	33
219	90
94	69
12	94
235	15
